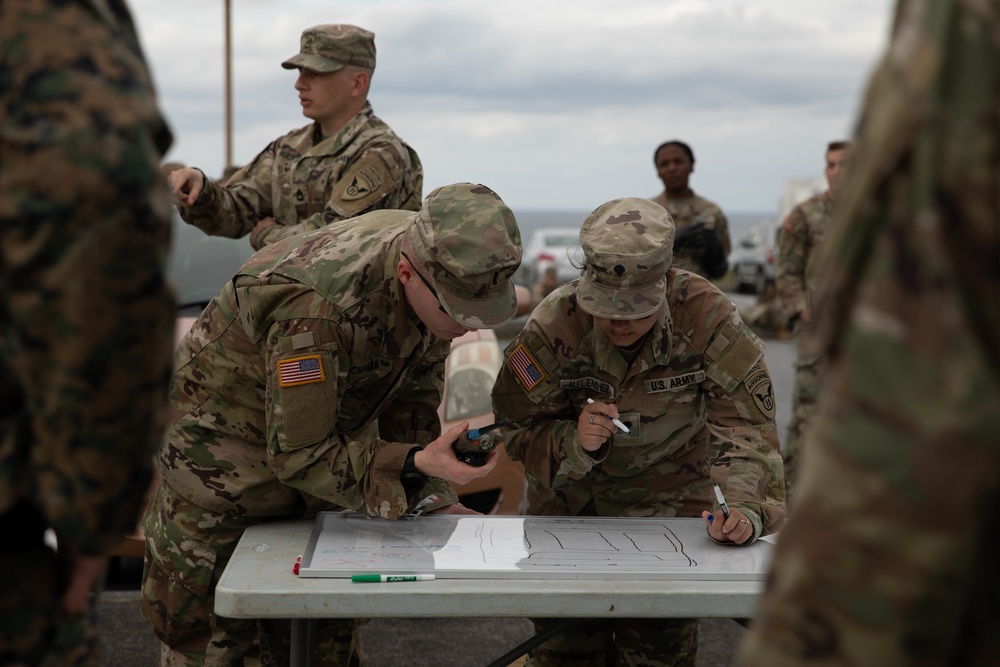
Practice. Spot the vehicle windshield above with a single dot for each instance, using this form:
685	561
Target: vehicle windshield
562	241
199	265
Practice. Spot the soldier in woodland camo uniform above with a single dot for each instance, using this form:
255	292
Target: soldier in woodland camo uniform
891	557
666	352
86	315
797	280
346	163
312	382
702	243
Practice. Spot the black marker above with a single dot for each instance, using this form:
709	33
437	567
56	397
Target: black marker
722	501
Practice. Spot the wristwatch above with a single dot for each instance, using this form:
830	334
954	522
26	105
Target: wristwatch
412	478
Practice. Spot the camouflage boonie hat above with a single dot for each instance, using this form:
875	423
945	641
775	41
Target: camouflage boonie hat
628	245
328	48
467	244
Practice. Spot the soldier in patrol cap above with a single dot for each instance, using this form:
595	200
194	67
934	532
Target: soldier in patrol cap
665	352
312	382
345	163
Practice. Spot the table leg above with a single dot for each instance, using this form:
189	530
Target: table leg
303	648
531	643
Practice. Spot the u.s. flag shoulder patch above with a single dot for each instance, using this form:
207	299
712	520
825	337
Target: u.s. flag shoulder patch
300	370
525	367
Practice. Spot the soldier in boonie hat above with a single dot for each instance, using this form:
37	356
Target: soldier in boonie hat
466	245
628	245
331	47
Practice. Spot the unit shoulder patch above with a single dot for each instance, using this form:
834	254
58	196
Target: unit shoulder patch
758	383
362	184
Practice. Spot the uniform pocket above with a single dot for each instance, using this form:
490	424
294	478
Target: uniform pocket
177	580
306	386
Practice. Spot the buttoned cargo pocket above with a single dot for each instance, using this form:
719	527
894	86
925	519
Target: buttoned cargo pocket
177	581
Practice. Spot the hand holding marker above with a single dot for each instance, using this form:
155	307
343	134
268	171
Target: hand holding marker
614	421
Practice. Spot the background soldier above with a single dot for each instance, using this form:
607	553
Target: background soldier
347	162
889	558
702	243
797	279
86	316
312	382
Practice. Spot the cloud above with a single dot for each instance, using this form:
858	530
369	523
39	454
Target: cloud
550	102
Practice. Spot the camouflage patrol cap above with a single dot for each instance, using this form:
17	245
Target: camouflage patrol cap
467	244
328	48
628	245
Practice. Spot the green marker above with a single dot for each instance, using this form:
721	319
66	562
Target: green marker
383	578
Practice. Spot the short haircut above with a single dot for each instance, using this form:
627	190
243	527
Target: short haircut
674	142
837	145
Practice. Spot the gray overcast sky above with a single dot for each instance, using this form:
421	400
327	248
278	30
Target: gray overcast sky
555	104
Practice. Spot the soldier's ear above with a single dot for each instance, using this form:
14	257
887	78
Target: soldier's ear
404	271
359	82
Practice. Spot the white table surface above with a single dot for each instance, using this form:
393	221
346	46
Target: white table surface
258	582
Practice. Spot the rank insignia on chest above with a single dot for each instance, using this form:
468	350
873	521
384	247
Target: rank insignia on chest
300	370
525	367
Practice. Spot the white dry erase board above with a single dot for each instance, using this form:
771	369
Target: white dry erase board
527	547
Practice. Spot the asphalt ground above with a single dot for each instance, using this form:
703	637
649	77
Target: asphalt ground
127	641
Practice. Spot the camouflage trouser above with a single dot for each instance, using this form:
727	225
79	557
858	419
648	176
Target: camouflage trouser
187	548
630	642
808	375
33	628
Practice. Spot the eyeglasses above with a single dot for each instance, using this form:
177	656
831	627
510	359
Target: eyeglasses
425	282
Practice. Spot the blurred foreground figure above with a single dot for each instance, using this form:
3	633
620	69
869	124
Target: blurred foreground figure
86	316
889	557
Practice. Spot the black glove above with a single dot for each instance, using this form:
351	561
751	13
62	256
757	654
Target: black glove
690	237
714	255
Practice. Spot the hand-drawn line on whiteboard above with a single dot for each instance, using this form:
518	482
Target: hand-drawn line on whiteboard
569	545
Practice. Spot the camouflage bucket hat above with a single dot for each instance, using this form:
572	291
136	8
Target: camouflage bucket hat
467	244
628	245
328	48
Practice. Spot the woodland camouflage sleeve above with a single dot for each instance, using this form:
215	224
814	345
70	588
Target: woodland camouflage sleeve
87	315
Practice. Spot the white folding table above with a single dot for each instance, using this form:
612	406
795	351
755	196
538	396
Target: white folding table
259	582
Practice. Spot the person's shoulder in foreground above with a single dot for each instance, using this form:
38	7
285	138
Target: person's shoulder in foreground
86	313
887	559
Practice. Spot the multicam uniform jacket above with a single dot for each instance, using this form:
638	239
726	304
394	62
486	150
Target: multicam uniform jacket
307	377
699	384
799	245
304	184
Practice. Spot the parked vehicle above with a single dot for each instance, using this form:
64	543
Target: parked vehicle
200	265
559	246
754	259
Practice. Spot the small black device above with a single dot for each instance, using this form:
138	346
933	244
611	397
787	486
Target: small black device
475	445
